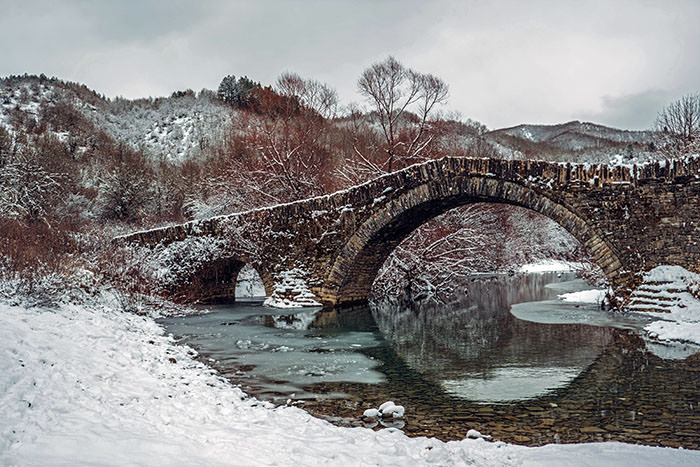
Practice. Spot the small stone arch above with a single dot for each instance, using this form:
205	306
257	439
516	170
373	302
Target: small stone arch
215	281
358	263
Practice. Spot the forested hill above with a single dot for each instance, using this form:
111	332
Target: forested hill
173	128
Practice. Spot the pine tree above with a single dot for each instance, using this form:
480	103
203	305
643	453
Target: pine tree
236	92
227	89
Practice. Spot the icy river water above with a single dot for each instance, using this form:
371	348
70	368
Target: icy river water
507	358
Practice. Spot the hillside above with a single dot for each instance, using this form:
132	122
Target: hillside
582	141
172	128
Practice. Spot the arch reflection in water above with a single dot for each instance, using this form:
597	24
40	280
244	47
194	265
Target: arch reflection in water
475	349
446	365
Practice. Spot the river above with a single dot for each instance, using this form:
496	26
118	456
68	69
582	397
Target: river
506	357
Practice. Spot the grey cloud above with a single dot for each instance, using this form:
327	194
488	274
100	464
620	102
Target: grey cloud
632	111
506	62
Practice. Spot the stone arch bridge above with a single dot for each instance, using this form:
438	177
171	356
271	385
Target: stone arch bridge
328	250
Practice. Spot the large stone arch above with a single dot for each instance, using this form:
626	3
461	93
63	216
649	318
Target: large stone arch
355	268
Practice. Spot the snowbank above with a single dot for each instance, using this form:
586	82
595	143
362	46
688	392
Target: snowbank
95	386
584	296
549	266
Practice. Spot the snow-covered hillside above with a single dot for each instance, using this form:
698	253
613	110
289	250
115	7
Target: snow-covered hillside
584	141
590	133
24	101
173	128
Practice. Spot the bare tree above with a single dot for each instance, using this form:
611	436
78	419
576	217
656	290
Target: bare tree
6	146
680	123
313	94
394	91
277	153
431	263
288	146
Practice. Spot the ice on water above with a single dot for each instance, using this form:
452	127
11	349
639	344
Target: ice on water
278	350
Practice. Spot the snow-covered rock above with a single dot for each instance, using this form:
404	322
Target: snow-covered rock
395	411
474	434
386	405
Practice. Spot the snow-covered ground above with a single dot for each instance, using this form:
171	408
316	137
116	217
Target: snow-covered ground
90	385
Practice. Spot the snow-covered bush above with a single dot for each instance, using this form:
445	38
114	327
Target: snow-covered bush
27	190
42	264
125	189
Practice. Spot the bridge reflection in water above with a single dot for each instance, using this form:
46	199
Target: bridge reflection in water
471	364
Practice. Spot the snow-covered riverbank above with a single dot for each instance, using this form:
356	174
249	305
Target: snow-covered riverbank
673	292
95	386
669	294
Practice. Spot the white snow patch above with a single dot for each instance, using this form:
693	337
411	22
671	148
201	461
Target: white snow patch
682	331
584	296
378	200
549	266
386	405
678	275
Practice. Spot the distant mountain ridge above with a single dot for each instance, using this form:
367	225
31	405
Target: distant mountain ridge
585	139
551	133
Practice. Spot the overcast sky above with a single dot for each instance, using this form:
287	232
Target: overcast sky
506	62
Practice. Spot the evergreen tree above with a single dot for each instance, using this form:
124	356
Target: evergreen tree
236	92
227	89
244	89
